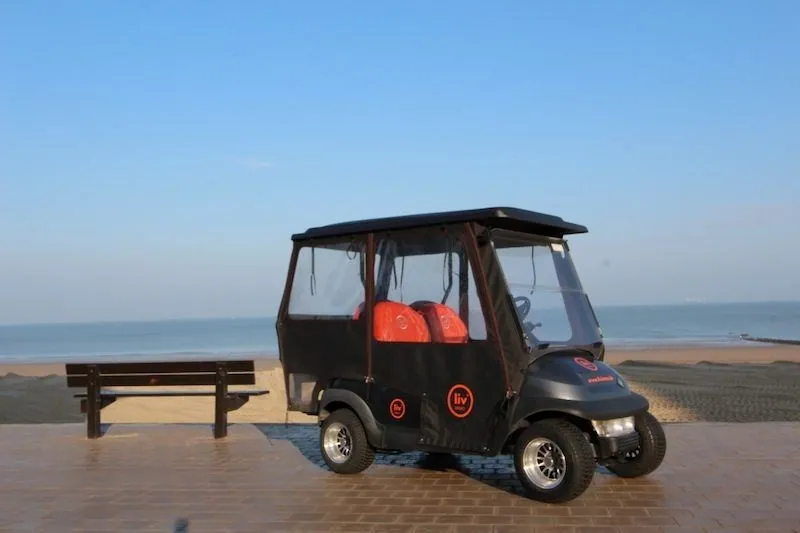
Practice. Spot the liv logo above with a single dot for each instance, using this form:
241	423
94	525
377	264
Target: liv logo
397	408
460	401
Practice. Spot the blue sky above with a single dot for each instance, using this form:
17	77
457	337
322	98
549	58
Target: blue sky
156	156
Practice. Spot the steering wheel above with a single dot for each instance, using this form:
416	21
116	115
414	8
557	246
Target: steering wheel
523	304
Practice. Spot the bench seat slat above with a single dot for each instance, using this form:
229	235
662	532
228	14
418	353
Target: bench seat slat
166	367
141	380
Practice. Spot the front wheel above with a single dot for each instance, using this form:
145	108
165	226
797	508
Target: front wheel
648	455
554	461
343	443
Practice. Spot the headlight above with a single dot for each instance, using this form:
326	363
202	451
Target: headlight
615	427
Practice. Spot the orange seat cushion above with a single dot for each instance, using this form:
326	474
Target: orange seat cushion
397	322
444	323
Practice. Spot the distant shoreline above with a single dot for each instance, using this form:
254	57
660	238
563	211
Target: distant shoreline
741	352
624	328
271	354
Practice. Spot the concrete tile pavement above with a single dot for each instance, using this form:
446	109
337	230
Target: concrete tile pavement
716	478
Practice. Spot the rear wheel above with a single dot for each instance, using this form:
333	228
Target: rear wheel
650	453
343	443
554	461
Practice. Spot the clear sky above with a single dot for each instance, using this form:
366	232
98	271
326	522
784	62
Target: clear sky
155	156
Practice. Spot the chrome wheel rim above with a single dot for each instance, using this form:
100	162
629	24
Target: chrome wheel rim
544	463
337	442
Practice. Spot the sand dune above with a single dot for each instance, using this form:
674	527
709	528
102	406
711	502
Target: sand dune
758	383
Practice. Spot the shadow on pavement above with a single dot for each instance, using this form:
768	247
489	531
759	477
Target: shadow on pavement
497	472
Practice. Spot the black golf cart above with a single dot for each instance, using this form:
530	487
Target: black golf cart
458	332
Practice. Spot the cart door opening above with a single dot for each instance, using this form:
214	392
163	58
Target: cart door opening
320	339
447	379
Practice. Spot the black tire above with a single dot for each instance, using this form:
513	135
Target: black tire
360	454
650	453
578	466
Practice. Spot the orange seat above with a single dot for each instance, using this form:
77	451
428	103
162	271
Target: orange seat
397	322
444	323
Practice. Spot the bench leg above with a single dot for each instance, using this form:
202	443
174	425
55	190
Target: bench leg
220	403
92	404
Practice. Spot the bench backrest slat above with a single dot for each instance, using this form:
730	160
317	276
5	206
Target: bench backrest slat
142	380
166	367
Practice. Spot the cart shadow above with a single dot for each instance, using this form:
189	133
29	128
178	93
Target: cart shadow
495	472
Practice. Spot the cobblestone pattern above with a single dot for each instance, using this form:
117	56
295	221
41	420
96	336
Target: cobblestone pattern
716	477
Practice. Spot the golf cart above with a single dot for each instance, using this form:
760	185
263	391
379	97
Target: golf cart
458	332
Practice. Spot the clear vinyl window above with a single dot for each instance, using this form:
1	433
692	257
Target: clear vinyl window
328	281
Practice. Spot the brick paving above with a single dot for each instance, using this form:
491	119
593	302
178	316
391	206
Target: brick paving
716	477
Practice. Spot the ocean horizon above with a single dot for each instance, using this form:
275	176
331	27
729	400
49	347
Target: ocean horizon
623	326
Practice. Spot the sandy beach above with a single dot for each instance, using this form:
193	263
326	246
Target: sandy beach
729	384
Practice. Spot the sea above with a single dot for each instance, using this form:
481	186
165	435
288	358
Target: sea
624	327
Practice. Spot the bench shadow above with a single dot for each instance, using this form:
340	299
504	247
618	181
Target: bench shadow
108	428
495	472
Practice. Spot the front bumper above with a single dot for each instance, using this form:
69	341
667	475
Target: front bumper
610	446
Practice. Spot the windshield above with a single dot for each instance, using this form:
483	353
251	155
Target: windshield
542	281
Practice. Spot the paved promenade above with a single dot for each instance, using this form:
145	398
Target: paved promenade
716	477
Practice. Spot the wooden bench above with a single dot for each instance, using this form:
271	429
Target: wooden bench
220	374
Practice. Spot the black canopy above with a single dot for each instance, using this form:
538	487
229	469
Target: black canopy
500	217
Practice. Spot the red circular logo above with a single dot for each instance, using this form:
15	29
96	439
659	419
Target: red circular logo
585	363
445	321
401	321
460	401
397	408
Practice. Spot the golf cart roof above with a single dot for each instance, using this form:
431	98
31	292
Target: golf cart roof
500	217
